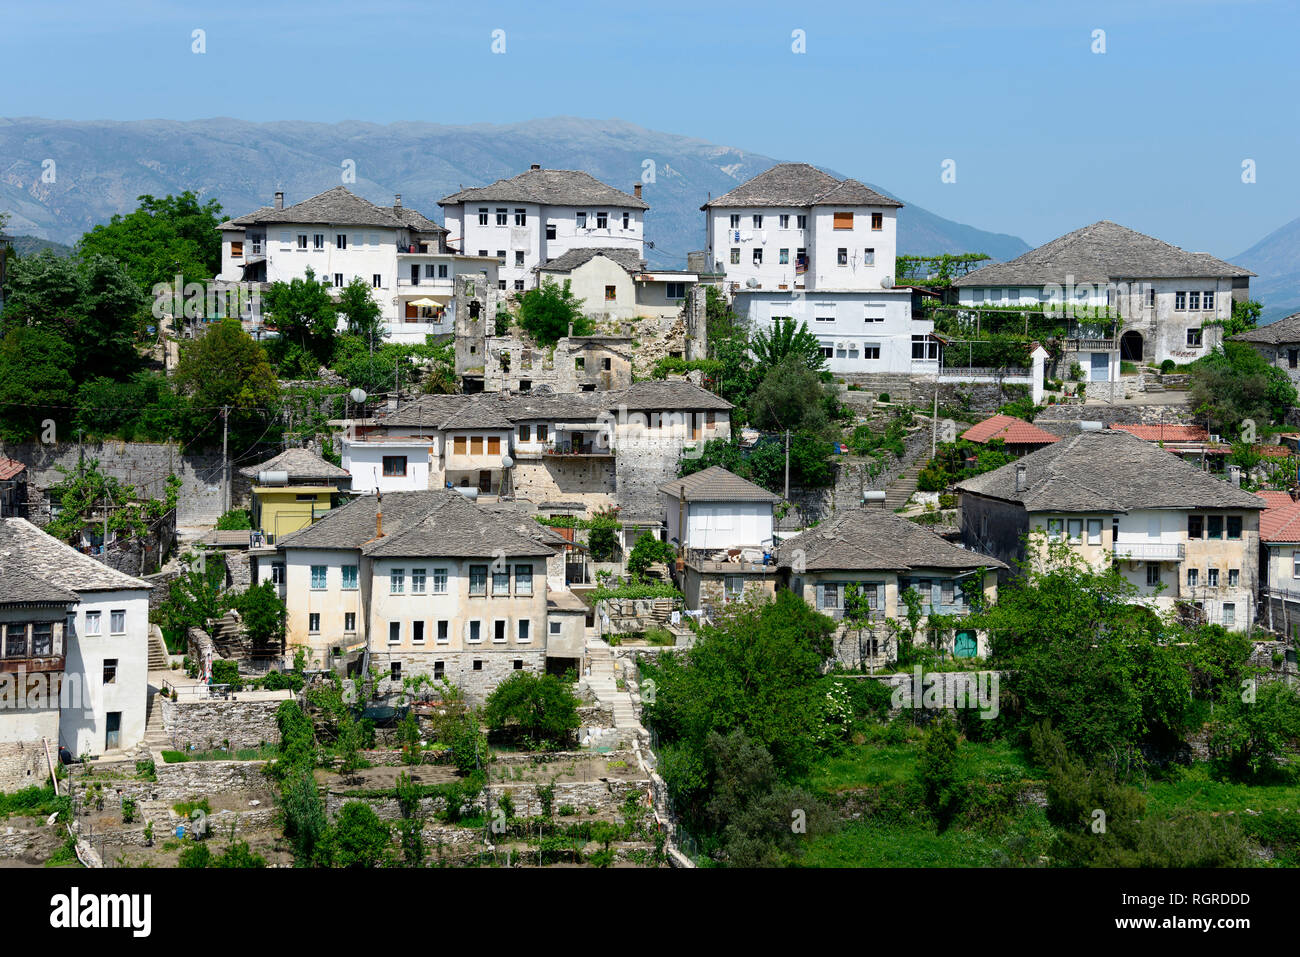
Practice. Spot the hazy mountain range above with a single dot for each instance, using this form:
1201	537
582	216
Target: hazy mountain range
100	167
1276	261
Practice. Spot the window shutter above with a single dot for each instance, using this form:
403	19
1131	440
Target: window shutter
821	595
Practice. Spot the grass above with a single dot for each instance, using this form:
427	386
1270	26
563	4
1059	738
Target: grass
1194	789
861	844
32	802
266	752
874	763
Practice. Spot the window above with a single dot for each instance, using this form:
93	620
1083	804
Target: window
440	581
1234	577
341	241
733	587
1153	573
92	623
1180	300
1055	526
1207	299
923	347
869	256
1229	614
842	256
1151	297
501	284
417	581
349	621
482	216
1234	527
42	639
302	241
801	222
828	351
1212	577
110	670
735	221
438	670
478	579
823	319
318	573
525	632
843	220
443	627
476	633
521	217
1295	563
735	256
758	220
1194	299
785	220
550	230
1194	337
499	630
555	628
395	466
783	257
350	577
503	217
1195	526
1214	527
483	253
501	582
675	290
377	280
494	445
1094	531
602	220
395	670
1075	528
627	220
519	285
871	350
459	445
877	220
394	632
611	293
396	581
476	445
417	632
338	280
277	573
830	595
1193	577
15	641
523	579
236	249
519	257
313	622
318	241
478	664
580	220
542	432
501	256
758	257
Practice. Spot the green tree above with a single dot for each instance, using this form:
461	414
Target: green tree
1245	316
305	824
143	407
162	238
786	340
547	312
938	772
602	537
306	316
225	367
541	706
358	307
1235	383
1254	725
792	396
194	596
647	551
263	612
360	839
35	384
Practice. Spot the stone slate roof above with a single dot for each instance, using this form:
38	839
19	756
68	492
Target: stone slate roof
1107	471
573	258
1009	429
1100	253
655	395
434	523
479	415
798	184
873	539
18	587
338	207
548	187
1286	329
301	464
716	484
1280	520
44	556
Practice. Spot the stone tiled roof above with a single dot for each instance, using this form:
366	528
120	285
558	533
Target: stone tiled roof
301	464
339	207
44	556
573	258
1280	520
426	523
1286	329
716	484
873	539
248	219
479	415
548	187
1101	252
798	184
666	395
18	587
1009	429
1107	471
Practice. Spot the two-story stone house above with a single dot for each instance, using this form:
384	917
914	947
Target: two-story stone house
429	583
1279	344
1186	540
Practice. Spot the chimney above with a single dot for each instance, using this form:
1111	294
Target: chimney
636	190
397	201
379	515
1020	477
1295	493
536	166
279	199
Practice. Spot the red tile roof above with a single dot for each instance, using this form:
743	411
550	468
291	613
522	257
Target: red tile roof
1166	433
1280	521
1011	430
9	468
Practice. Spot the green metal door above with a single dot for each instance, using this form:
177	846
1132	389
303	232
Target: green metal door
965	646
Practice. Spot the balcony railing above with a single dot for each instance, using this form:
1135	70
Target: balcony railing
590	448
1149	551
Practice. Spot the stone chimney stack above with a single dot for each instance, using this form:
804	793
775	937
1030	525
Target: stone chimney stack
1020	477
397	201
379	515
536	166
636	190
279	199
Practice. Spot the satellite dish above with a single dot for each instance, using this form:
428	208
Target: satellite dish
358	395
507	463
886	282
751	283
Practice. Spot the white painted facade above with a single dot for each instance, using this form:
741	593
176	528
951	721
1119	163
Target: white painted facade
364	458
718	525
95	638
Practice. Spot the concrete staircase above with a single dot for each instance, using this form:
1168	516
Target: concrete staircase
900	491
603	682
155	733
158	657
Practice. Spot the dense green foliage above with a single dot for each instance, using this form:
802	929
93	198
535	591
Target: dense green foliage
1234	384
764	464
541	707
160	239
952	463
548	312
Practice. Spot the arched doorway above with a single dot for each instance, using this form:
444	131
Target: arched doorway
1130	347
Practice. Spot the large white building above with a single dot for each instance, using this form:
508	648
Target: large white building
399	252
538	216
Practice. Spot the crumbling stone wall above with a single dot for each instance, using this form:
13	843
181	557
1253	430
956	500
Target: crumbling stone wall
207	723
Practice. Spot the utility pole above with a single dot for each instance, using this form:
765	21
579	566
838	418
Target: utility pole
787	465
225	461
934	422
103	549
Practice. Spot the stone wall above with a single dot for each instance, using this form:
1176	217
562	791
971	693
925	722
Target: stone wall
23	765
495	666
1127	414
206	724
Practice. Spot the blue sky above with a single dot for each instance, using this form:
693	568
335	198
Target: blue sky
1046	134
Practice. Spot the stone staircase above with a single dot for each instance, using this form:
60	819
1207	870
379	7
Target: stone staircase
900	491
228	636
155	733
603	682
158	656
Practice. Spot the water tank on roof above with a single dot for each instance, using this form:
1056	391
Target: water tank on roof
1089	426
469	492
273	478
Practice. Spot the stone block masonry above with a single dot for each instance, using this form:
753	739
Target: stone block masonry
23	765
206	724
476	671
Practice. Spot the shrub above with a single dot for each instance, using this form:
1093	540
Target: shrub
360	839
1167	366
540	706
884	397
226	672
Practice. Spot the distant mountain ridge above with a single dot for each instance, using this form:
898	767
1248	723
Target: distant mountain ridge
1275	260
100	167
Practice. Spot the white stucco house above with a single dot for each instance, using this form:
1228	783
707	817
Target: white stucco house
539	215
398	251
615	284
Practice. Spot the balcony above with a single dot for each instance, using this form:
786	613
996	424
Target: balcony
572	448
1149	551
